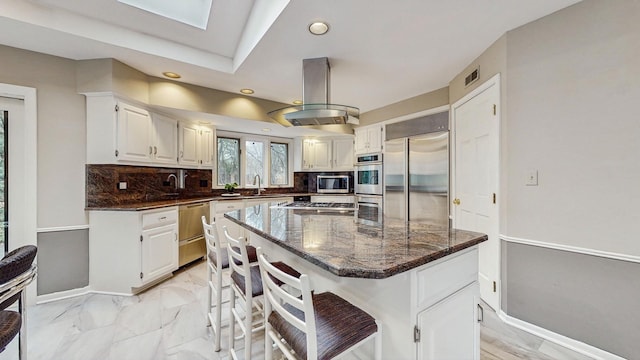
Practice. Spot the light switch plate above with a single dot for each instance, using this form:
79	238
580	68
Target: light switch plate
532	178
122	185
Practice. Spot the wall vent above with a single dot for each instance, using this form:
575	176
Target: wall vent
472	77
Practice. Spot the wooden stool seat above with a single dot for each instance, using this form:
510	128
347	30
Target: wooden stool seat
339	326
10	322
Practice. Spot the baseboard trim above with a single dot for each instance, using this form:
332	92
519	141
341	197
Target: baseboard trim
61	295
561	340
574	249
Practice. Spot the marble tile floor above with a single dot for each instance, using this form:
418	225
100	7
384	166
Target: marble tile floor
167	322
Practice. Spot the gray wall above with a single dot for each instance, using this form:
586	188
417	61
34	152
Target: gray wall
63	260
588	298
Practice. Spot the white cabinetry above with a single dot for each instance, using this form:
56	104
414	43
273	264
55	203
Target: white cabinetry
327	154
121	133
165	139
222	207
368	139
196	145
449	329
131	250
343	154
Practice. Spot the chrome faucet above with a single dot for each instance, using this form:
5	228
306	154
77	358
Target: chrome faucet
175	180
254	182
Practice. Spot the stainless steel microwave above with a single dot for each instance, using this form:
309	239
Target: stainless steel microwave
337	184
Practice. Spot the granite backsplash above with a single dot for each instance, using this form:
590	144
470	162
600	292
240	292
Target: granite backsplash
146	183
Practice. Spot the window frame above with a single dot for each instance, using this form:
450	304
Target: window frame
266	140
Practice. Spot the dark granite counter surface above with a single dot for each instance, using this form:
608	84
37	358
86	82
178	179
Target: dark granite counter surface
344	245
156	204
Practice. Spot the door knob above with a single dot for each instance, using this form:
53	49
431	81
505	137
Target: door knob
456	201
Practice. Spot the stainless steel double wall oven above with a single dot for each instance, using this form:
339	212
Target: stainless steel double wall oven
368	186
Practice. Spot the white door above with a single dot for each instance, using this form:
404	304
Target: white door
159	251
322	154
207	138
343	154
165	140
449	330
475	179
189	144
134	134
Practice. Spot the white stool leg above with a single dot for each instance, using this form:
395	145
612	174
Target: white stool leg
218	325
22	337
378	342
248	320
232	323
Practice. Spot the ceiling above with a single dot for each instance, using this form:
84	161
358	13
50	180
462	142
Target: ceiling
380	52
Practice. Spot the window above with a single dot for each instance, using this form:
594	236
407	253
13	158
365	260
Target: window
242	156
279	164
228	160
255	161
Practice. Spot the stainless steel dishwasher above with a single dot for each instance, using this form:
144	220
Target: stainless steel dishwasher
192	245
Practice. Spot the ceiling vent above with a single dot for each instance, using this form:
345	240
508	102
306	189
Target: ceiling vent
316	108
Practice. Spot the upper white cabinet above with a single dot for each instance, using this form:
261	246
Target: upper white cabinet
196	145
343	154
121	133
327	154
368	139
165	139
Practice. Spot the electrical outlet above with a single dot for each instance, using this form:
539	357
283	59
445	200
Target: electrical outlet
122	185
532	178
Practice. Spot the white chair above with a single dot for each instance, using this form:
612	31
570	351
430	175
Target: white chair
247	287
217	266
312	326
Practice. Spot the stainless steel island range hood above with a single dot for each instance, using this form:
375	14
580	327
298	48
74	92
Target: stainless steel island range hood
316	108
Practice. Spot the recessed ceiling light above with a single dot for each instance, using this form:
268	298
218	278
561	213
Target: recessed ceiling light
297	102
318	28
266	129
246	91
172	75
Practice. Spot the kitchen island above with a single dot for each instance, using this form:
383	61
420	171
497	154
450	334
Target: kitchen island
420	282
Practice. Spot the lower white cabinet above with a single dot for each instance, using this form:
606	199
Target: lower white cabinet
159	251
131	250
222	207
450	329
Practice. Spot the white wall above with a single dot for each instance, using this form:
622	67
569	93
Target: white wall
572	114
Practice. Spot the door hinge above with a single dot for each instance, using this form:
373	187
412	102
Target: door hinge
140	238
495	110
494	198
494	286
117	153
416	334
117	108
140	275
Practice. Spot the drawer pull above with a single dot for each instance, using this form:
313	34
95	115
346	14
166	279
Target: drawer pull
162	218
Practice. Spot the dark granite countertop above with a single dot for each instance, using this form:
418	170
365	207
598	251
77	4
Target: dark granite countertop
344	245
156	204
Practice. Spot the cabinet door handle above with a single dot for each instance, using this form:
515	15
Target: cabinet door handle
150	150
155	150
181	154
480	313
162	218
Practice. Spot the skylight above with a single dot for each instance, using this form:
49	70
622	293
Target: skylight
190	12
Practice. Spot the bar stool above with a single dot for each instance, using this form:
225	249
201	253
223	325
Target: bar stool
16	272
312	326
246	285
217	264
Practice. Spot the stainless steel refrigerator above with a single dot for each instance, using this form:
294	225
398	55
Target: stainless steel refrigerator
416	170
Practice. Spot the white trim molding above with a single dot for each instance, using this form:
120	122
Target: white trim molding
561	340
573	249
23	202
61	295
63	228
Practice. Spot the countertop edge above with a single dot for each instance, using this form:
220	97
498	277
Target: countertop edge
360	273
